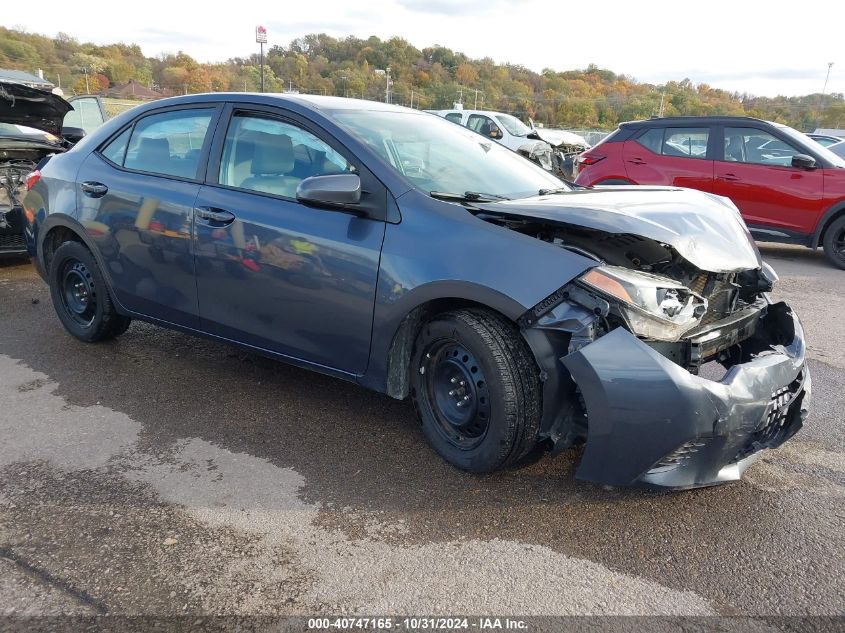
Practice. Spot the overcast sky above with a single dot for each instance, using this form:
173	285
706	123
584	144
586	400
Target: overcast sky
764	48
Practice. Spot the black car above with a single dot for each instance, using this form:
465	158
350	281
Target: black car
34	124
391	248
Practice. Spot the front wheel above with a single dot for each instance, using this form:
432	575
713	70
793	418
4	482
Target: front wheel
80	296
476	389
834	243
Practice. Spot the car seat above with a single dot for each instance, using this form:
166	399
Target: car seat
153	155
272	162
733	150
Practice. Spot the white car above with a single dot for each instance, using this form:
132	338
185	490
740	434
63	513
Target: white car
552	150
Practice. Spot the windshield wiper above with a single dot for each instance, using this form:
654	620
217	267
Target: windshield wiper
569	187
467	196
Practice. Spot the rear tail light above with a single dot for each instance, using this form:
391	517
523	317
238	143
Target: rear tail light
589	159
31	178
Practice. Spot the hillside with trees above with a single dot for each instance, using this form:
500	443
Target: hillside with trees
434	77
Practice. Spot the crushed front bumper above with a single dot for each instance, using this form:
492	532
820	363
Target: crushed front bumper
652	423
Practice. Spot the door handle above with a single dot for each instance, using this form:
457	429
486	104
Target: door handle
730	177
94	189
637	161
221	216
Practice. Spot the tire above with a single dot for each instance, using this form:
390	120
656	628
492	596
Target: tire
476	389
80	295
834	243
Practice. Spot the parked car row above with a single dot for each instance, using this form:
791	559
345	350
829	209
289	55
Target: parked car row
391	248
788	187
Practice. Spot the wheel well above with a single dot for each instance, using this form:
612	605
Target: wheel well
55	238
399	354
833	218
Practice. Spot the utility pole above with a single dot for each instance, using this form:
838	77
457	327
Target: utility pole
387	86
345	91
412	98
88	90
824	90
662	98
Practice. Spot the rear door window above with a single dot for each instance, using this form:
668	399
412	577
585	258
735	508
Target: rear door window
454	117
169	143
685	142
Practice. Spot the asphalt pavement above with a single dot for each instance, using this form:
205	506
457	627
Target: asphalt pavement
161	474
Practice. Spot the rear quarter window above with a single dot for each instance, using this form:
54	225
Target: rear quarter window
652	139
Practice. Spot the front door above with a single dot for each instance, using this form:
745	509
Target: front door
275	273
136	199
756	172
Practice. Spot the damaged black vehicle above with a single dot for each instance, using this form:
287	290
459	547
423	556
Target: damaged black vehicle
394	249
34	124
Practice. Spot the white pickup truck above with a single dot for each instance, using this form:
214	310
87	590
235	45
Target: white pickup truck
553	150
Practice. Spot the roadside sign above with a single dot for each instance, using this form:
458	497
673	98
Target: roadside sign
260	35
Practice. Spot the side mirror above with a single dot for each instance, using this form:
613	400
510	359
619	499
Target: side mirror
802	161
73	134
534	135
333	190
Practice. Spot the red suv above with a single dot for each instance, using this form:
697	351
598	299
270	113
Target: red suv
787	187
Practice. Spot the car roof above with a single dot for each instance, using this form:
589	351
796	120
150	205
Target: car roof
313	102
487	112
687	120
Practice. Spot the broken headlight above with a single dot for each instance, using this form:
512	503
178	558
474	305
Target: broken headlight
653	307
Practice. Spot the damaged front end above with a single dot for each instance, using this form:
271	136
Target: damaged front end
673	376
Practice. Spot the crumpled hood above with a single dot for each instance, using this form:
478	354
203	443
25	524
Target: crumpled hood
705	229
39	109
556	138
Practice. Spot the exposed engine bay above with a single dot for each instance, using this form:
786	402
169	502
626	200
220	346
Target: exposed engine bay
12	180
706	313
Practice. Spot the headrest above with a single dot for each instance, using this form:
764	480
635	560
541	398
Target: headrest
152	151
273	154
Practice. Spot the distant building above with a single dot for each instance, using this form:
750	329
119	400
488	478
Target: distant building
27	79
830	132
132	90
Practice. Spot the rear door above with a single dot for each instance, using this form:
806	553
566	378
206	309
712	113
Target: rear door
755	171
677	156
273	272
136	196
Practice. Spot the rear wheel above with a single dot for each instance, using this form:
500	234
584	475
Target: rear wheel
834	243
80	296
476	389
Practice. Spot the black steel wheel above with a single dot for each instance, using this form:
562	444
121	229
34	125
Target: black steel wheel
834	243
457	388
476	389
80	295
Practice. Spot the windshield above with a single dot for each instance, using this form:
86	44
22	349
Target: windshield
436	155
513	125
818	149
